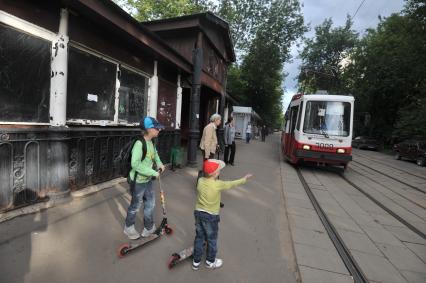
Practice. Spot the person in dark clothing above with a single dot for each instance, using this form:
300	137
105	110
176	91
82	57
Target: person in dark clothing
264	132
229	142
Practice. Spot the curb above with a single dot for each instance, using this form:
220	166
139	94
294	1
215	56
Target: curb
295	267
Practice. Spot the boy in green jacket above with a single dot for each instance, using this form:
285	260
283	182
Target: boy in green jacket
206	212
143	191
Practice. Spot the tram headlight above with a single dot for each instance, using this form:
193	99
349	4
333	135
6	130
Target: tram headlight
340	150
306	147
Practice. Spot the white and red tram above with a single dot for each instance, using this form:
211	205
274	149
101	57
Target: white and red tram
318	128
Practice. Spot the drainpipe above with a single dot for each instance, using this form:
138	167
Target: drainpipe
153	97
194	131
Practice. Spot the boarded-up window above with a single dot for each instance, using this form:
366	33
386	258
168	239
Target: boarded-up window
91	87
166	103
24	77
133	93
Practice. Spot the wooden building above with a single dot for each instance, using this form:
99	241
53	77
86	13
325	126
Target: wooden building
77	76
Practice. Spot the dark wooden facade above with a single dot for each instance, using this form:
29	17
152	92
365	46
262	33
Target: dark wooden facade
39	161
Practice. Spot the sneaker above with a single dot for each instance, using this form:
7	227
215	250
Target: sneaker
196	265
131	232
146	232
213	265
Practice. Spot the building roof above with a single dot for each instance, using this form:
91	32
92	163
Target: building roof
112	16
201	21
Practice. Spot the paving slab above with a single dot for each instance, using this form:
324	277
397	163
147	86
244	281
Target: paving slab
403	258
377	268
419	250
325	259
312	275
359	242
406	235
314	238
306	222
382	236
414	277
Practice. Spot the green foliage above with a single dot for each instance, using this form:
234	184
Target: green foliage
323	58
147	10
387	76
258	81
262	32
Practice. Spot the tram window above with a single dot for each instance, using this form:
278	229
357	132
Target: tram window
327	117
294	110
299	118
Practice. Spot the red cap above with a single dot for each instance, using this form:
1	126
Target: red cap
210	166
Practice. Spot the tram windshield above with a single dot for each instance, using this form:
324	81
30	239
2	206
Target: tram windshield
328	118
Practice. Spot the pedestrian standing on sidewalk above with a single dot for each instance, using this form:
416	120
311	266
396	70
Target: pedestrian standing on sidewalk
229	141
142	173
263	132
206	212
248	133
208	143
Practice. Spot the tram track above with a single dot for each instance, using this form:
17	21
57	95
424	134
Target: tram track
391	177
347	258
389	188
351	264
390	166
384	207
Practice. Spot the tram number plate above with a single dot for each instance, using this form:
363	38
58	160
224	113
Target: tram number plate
324	145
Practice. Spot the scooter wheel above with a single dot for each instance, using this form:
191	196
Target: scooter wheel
168	230
173	260
123	250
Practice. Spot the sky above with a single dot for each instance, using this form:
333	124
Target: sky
315	11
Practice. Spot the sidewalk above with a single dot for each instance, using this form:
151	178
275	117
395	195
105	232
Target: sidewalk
77	242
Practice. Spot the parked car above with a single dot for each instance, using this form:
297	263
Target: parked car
363	142
412	150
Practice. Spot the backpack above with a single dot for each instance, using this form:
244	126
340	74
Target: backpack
125	156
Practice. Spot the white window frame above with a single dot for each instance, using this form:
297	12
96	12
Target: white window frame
118	64
31	29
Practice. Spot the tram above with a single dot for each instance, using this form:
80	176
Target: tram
318	129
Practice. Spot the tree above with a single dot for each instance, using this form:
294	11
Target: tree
260	74
323	57
387	76
262	32
148	10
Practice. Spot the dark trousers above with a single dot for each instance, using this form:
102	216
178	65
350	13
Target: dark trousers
206	230
230	149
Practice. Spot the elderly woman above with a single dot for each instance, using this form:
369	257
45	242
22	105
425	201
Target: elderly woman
208	142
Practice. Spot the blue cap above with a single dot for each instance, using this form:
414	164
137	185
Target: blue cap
150	123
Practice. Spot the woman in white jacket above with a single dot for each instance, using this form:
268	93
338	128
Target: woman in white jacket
229	141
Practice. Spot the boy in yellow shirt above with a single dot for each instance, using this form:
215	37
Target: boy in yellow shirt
206	212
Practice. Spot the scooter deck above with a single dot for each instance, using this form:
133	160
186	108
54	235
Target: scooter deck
176	258
129	247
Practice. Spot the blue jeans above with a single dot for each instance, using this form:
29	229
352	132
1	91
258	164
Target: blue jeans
206	230
248	136
142	192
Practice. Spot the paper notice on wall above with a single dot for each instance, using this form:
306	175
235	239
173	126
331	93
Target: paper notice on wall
321	112
92	97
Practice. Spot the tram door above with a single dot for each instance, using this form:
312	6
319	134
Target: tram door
291	141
